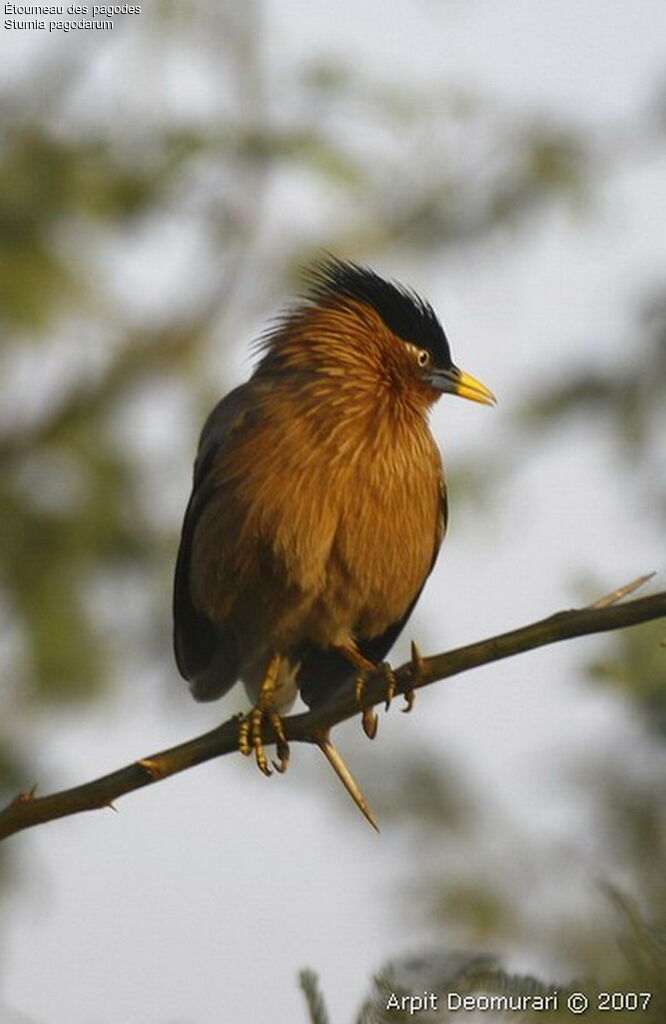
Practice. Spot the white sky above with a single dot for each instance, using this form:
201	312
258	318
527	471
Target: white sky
202	897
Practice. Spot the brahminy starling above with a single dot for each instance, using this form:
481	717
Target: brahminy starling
318	505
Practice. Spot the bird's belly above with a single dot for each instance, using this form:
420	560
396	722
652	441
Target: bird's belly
339	556
381	553
356	585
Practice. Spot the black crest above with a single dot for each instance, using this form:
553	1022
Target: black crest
403	311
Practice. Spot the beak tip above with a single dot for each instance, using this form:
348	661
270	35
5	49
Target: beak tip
470	387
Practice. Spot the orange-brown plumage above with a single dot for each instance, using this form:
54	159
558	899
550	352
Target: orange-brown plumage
318	504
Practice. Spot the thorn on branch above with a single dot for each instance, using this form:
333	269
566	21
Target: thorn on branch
334	758
24	798
617	595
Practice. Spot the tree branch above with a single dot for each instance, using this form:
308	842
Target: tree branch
606	614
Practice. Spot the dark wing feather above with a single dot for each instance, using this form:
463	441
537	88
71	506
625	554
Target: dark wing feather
322	671
205	654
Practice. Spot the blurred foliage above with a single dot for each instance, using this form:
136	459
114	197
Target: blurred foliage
309	984
628	402
143	226
432	986
636	664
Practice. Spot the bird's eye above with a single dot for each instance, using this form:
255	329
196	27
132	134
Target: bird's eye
423	357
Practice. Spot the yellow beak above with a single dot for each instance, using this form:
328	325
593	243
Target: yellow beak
470	387
457	382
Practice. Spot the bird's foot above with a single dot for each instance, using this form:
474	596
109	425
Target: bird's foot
250	738
384	670
366	670
369	719
417	669
251	725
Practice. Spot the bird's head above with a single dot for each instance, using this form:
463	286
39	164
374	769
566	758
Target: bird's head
356	330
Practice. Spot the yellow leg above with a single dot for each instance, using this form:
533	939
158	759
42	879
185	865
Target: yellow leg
249	730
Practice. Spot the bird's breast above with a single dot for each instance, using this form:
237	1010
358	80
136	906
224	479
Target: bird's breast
356	530
325	529
387	531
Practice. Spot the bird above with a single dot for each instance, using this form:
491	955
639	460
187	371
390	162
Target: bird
318	505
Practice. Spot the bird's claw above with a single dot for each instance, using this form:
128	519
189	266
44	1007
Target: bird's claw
409	696
366	670
250	739
369	719
281	745
370	723
417	669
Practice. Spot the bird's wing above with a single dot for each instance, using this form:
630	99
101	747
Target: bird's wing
206	654
324	670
